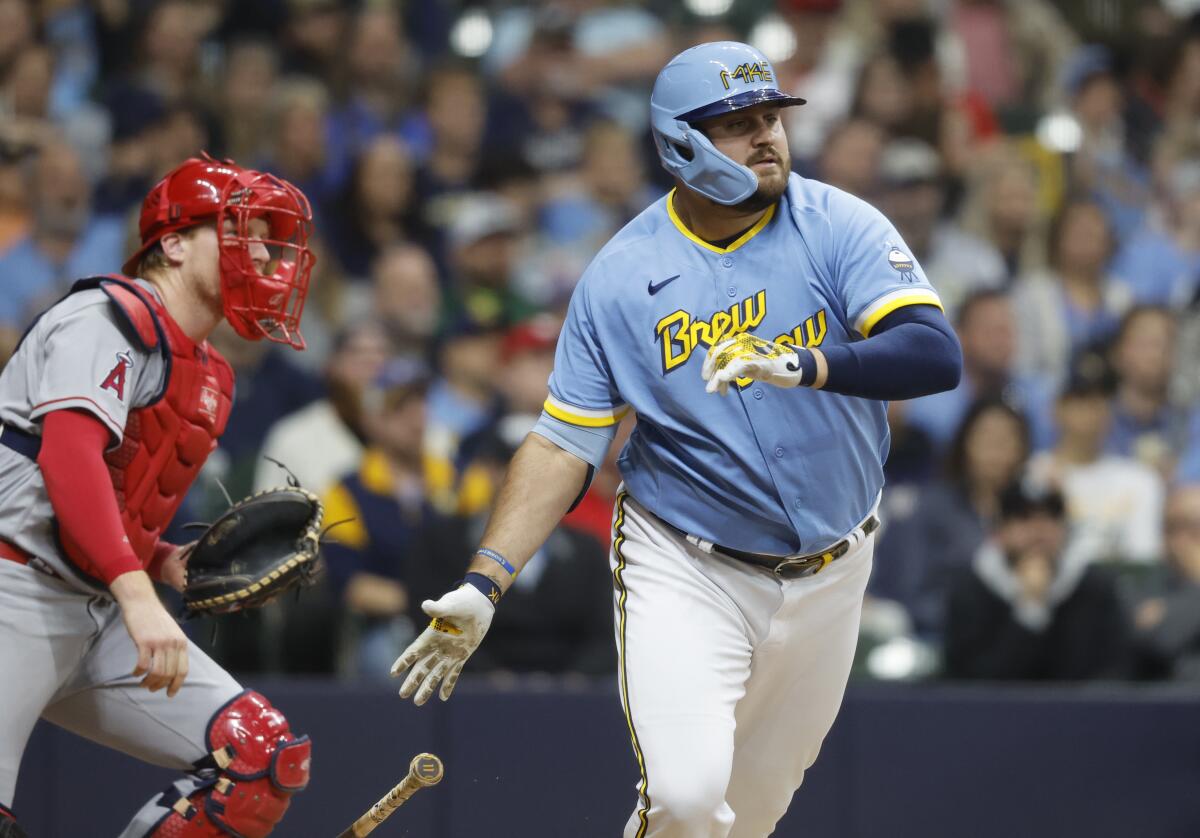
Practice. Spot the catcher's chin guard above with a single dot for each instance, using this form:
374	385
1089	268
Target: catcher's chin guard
254	767
260	548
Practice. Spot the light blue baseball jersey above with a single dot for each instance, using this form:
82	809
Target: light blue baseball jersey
763	469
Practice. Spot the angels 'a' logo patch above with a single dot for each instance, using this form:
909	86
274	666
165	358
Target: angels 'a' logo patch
115	380
210	399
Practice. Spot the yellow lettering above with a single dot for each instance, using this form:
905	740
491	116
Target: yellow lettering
725	79
756	310
677	345
720	326
816	334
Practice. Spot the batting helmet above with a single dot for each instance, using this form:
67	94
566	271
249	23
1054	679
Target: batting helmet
702	82
202	190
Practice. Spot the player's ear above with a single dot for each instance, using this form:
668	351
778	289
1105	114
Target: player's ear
173	247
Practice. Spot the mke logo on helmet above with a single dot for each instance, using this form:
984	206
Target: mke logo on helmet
681	334
748	73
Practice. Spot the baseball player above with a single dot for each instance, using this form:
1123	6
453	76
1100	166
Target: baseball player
756	322
109	407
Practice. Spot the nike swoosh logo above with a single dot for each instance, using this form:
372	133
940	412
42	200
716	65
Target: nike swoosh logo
654	289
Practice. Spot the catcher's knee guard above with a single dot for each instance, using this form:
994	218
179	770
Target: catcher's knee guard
9	828
254	767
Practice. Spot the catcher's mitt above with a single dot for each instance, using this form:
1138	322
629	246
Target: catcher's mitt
261	547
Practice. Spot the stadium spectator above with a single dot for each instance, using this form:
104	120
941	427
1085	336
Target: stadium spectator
406	298
1029	608
1073	304
986	327
483	245
913	196
1168	622
324	440
392	527
1114	503
376	208
1001	206
1160	262
66	241
929	537
1147	423
849	157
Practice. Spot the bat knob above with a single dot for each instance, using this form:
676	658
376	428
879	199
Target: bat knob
426	769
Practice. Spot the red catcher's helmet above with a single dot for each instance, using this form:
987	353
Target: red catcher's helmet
202	190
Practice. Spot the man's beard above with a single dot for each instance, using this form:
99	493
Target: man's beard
767	193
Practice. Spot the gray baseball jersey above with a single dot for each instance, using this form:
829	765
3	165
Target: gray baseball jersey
78	355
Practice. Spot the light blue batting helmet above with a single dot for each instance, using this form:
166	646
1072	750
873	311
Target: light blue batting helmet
701	82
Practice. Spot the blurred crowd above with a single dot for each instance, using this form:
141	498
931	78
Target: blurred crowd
465	160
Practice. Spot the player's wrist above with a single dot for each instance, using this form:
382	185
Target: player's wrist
486	585
820	369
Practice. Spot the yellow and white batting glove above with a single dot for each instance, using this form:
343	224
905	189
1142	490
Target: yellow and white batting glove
460	620
748	356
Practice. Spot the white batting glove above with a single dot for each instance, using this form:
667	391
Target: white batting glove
748	356
460	620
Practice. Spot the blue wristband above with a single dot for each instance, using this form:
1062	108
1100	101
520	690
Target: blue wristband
484	585
498	559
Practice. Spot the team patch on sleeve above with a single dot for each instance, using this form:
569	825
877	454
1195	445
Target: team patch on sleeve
888	303
115	380
584	417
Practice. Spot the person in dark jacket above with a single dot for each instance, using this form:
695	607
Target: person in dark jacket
1028	608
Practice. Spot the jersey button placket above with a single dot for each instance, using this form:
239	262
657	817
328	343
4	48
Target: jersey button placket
757	393
779	453
727	261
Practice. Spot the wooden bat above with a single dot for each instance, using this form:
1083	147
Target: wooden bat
424	770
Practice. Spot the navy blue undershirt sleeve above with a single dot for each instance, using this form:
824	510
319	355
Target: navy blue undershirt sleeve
911	352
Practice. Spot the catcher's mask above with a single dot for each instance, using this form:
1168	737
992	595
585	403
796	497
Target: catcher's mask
202	189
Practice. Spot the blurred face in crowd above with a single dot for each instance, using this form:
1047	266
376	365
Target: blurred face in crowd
359	358
172	37
988	333
28	82
914	208
1039	533
377	50
1143	353
300	137
994	450
884	96
612	166
524	379
487	261
456	111
1084	241
1182	525
1083	420
1012	197
397	425
16	28
61	192
407	298
317	29
250	78
849	158
470	361
1098	103
754	137
384	178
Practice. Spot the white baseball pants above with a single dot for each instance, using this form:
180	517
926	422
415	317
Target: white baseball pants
730	676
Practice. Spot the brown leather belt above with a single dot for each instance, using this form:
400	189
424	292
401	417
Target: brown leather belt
792	567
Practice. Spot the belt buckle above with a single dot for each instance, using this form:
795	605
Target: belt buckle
798	567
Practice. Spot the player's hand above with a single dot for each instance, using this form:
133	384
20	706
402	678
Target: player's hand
460	620
173	570
161	645
748	356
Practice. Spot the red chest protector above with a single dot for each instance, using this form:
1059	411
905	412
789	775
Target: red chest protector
167	441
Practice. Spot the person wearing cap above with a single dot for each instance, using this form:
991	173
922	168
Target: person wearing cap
483	248
391	522
912	192
1114	503
756	322
1032	608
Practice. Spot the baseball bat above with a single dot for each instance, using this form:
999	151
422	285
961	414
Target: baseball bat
424	770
